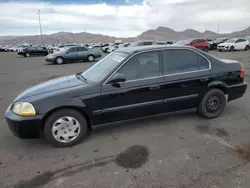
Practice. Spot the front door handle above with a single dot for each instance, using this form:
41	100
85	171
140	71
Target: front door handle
185	85
204	79
154	87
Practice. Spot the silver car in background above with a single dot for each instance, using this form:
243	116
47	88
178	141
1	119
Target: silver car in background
75	53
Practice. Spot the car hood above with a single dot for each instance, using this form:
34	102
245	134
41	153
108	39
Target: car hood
56	84
225	44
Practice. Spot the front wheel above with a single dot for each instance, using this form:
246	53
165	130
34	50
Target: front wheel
231	49
65	127
247	47
27	54
91	58
212	104
59	60
205	49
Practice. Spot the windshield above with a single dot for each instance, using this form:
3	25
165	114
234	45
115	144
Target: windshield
104	67
230	41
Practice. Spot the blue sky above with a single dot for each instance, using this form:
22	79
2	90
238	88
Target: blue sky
121	18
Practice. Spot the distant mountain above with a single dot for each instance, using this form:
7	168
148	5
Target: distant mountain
245	32
165	33
161	33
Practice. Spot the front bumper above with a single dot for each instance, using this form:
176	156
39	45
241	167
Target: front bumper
236	91
20	53
24	127
223	48
50	59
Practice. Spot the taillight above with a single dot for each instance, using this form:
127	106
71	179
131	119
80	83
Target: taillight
242	73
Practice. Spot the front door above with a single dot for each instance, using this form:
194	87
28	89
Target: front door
71	54
186	77
141	93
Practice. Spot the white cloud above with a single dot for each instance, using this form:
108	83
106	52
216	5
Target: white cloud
18	18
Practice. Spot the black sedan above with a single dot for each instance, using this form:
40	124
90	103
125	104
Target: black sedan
128	83
216	42
33	50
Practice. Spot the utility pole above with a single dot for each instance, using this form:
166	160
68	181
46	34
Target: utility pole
41	34
218	27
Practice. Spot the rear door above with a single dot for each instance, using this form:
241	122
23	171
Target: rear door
240	44
82	53
141	93
186	75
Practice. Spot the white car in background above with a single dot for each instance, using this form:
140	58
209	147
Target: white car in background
234	44
116	46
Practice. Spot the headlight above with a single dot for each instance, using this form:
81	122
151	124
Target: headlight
50	56
24	109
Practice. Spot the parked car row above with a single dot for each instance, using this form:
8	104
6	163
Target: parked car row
220	44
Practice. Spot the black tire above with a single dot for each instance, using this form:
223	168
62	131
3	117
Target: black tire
205	49
91	58
205	108
106	50
247	47
27	54
220	50
61	113
59	60
231	49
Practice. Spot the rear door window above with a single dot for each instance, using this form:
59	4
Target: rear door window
183	61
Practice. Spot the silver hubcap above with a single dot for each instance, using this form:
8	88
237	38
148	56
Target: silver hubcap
27	55
91	58
66	129
59	60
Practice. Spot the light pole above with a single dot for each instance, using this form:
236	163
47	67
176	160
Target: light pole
41	34
218	27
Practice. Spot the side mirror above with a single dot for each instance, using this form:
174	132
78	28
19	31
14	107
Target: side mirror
191	43
67	52
118	77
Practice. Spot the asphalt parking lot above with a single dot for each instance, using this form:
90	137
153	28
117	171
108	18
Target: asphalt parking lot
178	150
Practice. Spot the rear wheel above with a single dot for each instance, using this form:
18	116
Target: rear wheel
231	49
27	54
247	47
212	104
59	60
65	127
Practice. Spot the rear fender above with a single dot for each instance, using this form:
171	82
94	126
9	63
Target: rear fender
219	85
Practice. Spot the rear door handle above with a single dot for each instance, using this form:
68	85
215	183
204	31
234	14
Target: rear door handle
154	87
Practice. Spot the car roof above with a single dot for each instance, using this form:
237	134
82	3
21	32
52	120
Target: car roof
153	47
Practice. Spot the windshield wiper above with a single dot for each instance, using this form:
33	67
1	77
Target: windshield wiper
79	75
